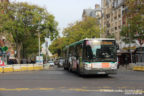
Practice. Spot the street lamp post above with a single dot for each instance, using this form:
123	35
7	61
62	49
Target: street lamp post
46	42
39	42
130	44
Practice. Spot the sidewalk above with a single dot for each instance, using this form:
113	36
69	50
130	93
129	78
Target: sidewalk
131	67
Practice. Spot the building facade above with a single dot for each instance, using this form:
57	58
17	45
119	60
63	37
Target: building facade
96	13
112	18
4	0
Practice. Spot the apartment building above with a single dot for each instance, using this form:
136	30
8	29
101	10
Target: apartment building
4	0
96	13
112	18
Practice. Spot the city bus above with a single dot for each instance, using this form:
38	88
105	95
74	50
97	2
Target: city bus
92	56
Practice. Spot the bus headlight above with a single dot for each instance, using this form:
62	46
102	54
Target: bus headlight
88	66
114	66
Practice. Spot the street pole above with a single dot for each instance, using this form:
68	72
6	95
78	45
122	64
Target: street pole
100	29
46	51
100	26
39	43
130	45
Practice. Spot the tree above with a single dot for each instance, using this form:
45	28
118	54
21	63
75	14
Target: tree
58	45
87	28
134	29
23	22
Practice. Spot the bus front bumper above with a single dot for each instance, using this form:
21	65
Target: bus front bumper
100	71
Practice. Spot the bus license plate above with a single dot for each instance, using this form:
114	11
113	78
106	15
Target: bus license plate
101	72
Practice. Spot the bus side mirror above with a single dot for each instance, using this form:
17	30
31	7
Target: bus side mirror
117	46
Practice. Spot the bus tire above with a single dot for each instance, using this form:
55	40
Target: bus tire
106	75
69	68
65	68
78	71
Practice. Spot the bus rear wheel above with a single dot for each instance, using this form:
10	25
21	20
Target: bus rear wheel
65	68
78	71
69	68
105	75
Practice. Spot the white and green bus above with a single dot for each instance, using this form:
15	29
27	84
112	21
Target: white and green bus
92	56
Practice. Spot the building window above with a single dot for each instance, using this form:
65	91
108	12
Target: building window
108	24
111	19
119	27
107	2
115	28
112	29
108	16
119	15
123	6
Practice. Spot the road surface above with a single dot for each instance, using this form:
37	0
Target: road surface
57	82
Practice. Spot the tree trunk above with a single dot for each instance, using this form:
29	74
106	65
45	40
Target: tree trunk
19	47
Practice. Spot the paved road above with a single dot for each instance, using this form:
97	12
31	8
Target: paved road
58	82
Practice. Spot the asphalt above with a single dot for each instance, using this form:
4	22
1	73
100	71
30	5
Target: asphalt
58	82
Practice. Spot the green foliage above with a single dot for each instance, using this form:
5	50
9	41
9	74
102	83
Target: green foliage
58	45
23	22
87	28
5	48
134	29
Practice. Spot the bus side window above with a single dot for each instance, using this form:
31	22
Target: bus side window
79	50
89	53
84	52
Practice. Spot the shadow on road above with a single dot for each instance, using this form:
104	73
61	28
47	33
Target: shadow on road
97	76
90	76
74	74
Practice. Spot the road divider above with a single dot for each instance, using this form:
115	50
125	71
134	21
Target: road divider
8	68
23	67
138	68
17	67
30	67
1	69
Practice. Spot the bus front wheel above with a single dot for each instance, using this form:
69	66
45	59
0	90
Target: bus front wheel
78	71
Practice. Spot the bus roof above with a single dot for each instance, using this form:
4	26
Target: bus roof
99	39
81	41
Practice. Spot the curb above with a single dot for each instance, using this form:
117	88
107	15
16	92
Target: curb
138	68
23	67
132	67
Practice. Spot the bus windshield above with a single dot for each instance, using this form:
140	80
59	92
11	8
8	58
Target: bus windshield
104	50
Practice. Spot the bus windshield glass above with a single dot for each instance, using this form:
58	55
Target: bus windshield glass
101	50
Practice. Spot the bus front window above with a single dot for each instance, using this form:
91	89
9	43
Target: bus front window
101	50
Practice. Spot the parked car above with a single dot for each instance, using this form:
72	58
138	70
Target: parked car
56	61
51	63
61	62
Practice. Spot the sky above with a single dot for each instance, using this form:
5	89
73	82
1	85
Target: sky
65	11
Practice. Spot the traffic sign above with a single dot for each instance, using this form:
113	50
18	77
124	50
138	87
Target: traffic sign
5	48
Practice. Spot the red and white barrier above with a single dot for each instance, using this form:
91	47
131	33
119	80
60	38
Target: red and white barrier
2	63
